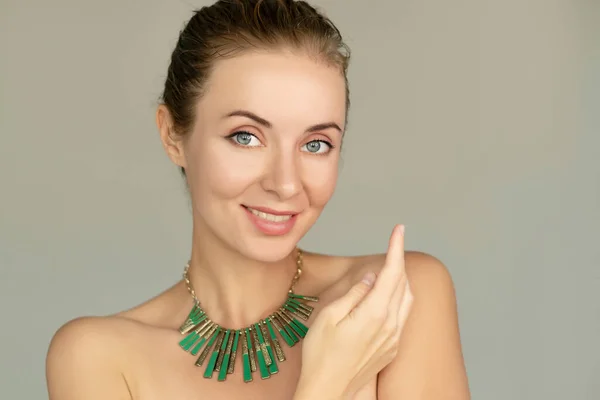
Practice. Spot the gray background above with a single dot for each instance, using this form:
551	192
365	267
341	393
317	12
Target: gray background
474	122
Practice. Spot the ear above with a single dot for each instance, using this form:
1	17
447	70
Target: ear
172	144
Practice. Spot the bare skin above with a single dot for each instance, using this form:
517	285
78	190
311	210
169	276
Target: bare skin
134	354
294	102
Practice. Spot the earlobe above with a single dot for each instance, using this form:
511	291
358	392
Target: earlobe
172	144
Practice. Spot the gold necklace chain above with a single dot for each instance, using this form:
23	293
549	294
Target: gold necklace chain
299	265
259	342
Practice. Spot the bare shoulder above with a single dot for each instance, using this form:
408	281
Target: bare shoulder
84	359
422	269
99	357
428	277
430	363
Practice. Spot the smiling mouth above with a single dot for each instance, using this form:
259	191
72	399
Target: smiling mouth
270	217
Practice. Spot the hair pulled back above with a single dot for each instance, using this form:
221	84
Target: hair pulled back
230	27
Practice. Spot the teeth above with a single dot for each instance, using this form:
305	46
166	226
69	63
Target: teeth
270	217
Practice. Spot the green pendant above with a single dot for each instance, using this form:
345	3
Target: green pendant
208	372
262	362
290	342
231	366
274	340
224	364
215	333
295	339
194	318
246	344
264	338
261	348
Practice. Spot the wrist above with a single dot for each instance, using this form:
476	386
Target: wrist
314	390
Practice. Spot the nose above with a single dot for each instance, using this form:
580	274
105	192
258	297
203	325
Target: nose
283	176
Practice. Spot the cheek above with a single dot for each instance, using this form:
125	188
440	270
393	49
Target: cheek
320	180
220	173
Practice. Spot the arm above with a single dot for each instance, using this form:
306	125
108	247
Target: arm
429	365
311	392
81	362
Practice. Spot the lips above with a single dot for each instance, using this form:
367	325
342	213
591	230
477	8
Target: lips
271	222
268	216
271	211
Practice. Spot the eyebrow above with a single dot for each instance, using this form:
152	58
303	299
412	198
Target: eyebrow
267	124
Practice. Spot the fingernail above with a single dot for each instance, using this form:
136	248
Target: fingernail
369	278
402	228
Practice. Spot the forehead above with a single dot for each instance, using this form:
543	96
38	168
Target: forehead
279	86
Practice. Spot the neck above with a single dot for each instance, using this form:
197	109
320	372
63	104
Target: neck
234	290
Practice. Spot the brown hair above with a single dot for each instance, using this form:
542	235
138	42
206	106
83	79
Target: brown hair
229	27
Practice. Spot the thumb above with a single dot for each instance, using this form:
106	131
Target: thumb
340	308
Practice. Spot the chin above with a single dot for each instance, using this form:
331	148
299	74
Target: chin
269	250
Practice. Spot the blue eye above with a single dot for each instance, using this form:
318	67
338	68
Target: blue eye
245	139
317	147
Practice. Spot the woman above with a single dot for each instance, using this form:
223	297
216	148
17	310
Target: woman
254	110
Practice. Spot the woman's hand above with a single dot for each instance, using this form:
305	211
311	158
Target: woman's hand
356	336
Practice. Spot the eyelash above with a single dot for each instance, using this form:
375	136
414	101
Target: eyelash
328	144
236	133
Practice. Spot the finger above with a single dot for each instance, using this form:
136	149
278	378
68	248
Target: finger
395	258
395	253
397	299
387	280
393	267
341	307
406	305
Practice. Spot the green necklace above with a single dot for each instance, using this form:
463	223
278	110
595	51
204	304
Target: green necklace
259	341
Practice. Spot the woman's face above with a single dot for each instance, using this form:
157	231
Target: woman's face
262	160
